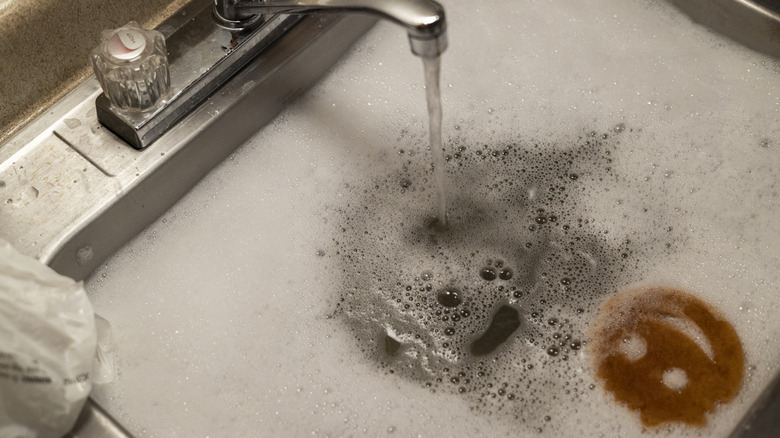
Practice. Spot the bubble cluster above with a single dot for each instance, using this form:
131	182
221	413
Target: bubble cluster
496	305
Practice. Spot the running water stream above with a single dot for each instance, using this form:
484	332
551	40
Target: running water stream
432	68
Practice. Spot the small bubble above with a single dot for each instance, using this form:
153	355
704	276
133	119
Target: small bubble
575	345
449	331
505	274
553	351
488	273
540	220
565	281
426	276
449	297
320	253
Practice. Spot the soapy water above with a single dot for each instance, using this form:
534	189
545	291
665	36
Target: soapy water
579	164
495	306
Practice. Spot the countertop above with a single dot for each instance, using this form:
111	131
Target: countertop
44	46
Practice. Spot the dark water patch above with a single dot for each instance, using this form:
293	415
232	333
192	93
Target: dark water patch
391	345
504	323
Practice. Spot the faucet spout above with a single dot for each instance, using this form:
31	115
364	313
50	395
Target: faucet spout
423	19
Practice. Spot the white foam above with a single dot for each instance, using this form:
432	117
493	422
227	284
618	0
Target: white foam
226	318
675	378
634	348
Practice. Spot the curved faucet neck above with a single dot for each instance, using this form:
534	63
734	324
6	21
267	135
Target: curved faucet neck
423	19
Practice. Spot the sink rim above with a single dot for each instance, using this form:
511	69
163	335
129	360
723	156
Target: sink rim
132	195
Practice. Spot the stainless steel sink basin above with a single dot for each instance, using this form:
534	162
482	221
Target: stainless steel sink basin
755	23
73	193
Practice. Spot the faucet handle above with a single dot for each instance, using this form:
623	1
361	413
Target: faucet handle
131	65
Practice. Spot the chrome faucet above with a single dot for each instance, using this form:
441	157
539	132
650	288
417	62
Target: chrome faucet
423	19
209	41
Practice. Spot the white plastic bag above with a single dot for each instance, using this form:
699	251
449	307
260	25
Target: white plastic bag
103	370
47	347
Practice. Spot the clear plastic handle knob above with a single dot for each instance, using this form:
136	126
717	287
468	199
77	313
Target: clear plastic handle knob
131	65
